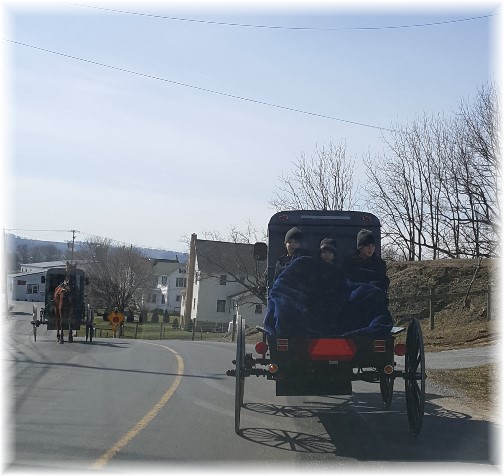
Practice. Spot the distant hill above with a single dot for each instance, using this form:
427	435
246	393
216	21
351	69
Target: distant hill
13	241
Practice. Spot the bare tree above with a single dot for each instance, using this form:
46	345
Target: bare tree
118	275
436	188
322	182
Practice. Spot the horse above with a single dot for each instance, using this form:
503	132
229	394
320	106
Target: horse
66	302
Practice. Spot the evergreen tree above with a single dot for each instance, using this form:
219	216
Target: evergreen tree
166	317
130	316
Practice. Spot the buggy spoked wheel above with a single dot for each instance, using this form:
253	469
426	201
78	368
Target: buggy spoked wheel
89	323
34	322
239	375
414	368
386	389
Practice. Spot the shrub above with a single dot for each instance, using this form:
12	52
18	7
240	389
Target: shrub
142	317
166	317
175	324
155	316
130	316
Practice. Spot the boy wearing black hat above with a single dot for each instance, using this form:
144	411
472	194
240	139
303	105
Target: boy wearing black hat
364	266
292	242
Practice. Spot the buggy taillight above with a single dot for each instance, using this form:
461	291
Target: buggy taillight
261	347
400	349
332	349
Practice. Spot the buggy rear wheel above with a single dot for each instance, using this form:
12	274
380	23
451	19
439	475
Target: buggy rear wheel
239	375
387	389
89	323
415	376
34	322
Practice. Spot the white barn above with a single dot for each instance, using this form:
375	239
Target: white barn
29	284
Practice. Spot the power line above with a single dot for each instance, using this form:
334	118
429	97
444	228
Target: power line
199	88
276	27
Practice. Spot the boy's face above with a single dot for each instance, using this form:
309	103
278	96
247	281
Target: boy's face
291	246
367	251
327	256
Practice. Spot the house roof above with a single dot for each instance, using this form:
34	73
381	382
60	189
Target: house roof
18	275
226	257
166	267
45	264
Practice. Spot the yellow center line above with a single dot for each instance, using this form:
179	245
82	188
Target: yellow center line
147	418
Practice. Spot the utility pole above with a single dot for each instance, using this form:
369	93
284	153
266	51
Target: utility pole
73	244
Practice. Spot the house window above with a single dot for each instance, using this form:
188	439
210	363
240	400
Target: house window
42	279
258	309
153	298
178	298
164	280
32	289
181	270
154	280
223	279
221	305
163	299
21	282
181	282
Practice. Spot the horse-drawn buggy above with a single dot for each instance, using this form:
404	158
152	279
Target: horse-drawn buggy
65	307
313	344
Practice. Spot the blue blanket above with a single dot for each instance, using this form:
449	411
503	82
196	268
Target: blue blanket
307	299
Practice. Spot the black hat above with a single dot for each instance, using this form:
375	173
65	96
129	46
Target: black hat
365	237
293	234
328	244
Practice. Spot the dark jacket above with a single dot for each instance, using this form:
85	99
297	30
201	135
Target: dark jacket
285	259
372	270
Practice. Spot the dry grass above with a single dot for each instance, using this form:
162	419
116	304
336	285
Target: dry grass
478	384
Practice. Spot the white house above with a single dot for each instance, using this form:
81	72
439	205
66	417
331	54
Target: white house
220	268
168	283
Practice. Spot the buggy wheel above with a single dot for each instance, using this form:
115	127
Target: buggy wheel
387	389
239	375
89	323
34	322
414	367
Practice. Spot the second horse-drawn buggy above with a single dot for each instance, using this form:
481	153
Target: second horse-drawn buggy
306	355
65	308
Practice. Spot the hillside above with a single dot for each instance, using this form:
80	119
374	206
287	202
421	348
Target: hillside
13	241
455	324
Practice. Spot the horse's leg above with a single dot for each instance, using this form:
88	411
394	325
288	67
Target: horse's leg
57	319
60	322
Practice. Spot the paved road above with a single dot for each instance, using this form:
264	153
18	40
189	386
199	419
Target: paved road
463	358
157	403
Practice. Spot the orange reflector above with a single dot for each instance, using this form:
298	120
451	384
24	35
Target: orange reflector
273	368
400	349
388	369
261	347
332	349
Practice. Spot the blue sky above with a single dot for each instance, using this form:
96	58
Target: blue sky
135	157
